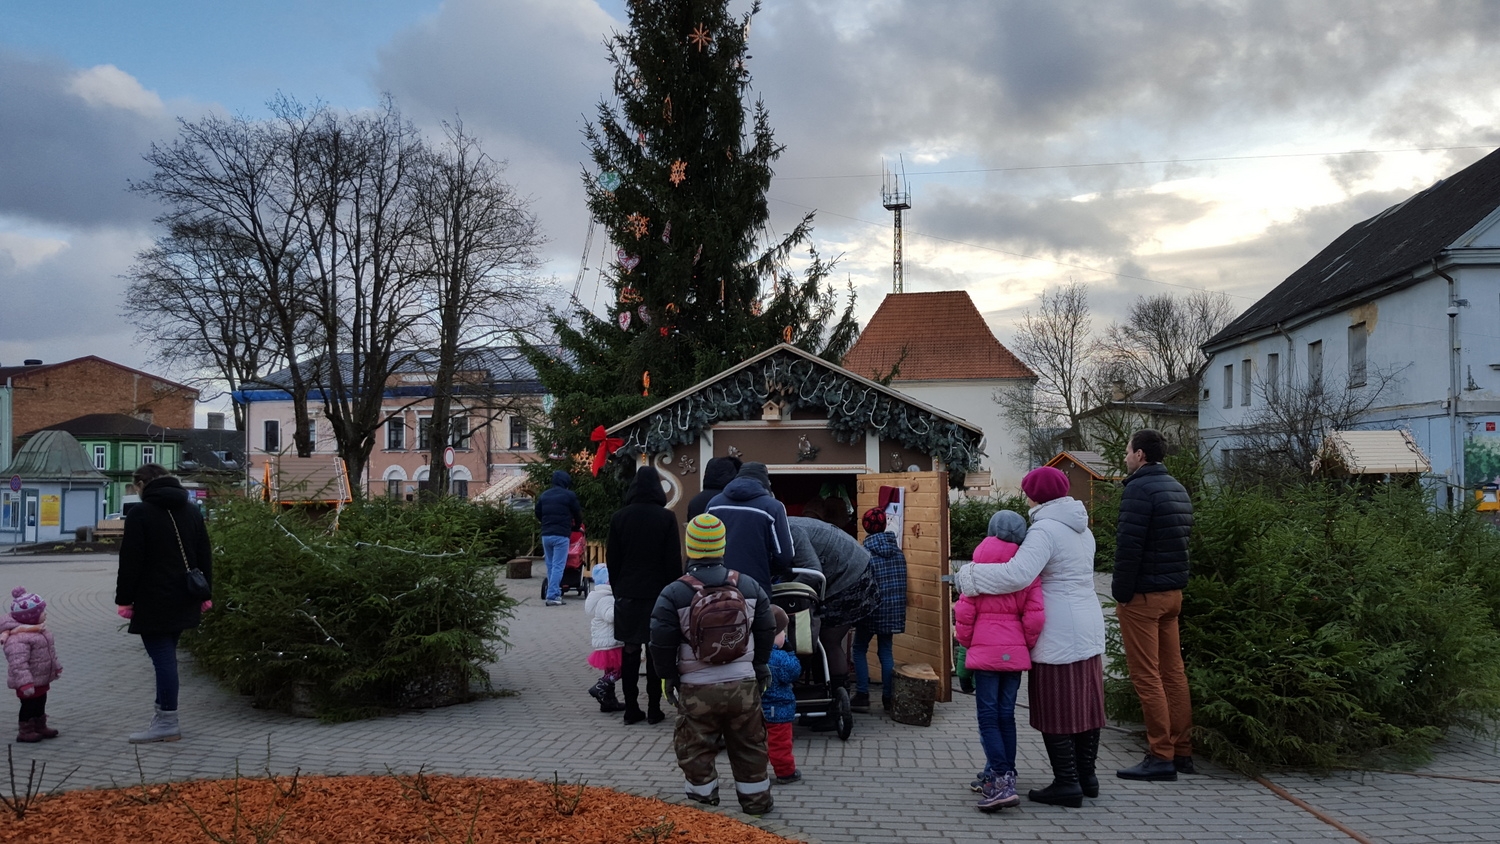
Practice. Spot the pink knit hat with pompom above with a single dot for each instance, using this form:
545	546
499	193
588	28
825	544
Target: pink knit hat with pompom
26	607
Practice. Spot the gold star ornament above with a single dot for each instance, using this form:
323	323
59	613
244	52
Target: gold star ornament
700	37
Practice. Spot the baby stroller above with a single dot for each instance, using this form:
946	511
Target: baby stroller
816	695
572	576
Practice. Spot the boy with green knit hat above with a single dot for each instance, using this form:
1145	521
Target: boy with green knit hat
711	635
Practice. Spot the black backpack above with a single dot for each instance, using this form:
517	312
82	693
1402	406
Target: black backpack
718	621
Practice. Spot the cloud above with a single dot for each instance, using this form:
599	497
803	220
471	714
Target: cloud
70	141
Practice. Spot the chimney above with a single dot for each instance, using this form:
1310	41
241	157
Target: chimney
32	362
1117	391
215	421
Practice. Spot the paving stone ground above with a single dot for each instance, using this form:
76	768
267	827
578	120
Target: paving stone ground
888	783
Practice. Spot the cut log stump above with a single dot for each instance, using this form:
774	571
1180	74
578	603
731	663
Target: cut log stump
912	694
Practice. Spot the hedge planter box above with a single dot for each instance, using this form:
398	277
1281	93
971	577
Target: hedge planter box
520	567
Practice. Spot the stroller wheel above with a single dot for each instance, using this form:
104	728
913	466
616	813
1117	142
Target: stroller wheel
843	714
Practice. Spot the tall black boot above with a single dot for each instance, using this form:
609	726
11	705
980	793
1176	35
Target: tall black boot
608	702
654	715
1085	751
1064	790
630	679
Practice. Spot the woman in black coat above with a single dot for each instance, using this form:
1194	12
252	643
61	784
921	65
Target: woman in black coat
164	536
644	554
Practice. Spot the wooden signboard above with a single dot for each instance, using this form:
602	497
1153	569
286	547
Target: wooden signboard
929	608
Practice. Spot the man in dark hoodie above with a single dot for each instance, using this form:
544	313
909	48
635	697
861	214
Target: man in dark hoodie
717	474
759	541
560	514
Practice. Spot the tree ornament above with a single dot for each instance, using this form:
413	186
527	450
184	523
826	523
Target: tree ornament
700	37
609	180
666	109
644	314
646	383
692	296
698	254
624	319
629	296
671	309
755	308
721	291
786	334
627	261
679	172
663	330
666	233
640	138
638	225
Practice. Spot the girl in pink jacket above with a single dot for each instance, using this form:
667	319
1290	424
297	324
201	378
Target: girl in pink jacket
998	632
31	660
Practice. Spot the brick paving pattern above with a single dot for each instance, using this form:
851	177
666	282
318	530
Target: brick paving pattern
888	783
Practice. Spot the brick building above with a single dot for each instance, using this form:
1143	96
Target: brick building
42	395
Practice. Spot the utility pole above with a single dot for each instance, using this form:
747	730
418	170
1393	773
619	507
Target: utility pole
895	194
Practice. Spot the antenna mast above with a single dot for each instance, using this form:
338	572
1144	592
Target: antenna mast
895	194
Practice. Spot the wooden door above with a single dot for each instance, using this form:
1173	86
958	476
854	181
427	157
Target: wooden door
924	541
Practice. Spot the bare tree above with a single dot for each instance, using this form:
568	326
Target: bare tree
1037	425
1160	340
1055	343
478	245
1284	433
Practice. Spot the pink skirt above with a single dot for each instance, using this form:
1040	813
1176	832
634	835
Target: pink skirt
606	660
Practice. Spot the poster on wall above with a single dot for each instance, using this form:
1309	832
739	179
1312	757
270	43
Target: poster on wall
51	510
893	501
1482	462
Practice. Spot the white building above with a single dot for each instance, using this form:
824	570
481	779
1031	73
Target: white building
1407	303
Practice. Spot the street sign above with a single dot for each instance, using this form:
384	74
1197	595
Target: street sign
447	458
15	483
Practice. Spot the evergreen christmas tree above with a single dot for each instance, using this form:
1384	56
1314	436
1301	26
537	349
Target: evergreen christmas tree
679	185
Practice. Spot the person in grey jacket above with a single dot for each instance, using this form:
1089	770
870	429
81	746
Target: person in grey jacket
1151	569
851	593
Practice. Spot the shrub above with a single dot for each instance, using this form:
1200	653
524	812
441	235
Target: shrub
969	521
399	606
1325	626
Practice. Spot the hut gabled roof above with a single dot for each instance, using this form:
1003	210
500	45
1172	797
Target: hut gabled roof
54	456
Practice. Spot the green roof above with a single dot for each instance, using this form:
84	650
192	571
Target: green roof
54	456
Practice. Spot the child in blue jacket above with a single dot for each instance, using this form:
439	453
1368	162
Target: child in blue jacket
779	704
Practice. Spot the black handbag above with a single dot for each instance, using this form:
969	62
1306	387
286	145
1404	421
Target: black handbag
193	578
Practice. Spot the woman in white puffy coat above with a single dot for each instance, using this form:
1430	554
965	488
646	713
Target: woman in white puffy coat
1066	688
606	653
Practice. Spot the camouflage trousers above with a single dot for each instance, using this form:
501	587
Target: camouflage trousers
731	710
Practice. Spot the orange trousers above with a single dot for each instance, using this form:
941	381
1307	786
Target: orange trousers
1153	651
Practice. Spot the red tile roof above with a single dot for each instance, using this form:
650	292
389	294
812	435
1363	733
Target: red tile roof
943	334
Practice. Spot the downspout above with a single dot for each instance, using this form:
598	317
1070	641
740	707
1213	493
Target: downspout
1455	471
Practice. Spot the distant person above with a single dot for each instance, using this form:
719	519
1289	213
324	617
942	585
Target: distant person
759	540
605	656
643	555
164	536
998	633
31	662
1066	683
560	514
850	595
888	565
717	474
713	659
1151	569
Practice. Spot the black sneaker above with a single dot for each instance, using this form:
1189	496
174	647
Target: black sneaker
796	776
1184	764
1150	769
860	702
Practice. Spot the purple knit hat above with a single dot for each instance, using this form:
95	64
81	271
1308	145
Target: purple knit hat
1044	484
26	607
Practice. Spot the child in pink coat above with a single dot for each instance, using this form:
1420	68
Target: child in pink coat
31	660
998	632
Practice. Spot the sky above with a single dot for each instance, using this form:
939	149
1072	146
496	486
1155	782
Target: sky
1137	146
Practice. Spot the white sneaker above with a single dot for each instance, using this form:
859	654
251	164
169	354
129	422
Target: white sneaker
556	603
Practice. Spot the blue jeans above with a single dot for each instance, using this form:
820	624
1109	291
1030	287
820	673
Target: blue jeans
162	648
862	661
995	704
555	552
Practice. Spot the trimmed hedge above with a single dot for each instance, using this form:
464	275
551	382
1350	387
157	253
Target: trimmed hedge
399	607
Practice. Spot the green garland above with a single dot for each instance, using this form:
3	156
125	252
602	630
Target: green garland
852	409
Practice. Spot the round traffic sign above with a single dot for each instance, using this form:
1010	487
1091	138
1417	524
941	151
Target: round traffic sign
15	483
448	457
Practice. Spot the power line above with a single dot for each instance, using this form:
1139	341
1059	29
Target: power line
1147	161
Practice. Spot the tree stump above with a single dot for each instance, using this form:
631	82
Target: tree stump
518	568
913	691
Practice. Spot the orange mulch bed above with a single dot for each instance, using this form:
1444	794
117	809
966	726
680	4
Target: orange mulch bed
378	810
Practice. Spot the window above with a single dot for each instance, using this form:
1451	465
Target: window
101	457
272	437
1358	334
1229	385
1273	376
461	488
1315	366
395	435
458	432
393	489
1245	382
312	434
148	454
424	433
517	433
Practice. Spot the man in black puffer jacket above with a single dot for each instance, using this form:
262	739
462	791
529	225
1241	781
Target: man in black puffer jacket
1151	569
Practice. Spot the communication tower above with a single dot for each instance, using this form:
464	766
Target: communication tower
895	194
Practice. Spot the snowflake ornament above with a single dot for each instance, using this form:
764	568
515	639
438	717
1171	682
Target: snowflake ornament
679	173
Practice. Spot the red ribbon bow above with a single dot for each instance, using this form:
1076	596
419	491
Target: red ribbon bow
607	445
